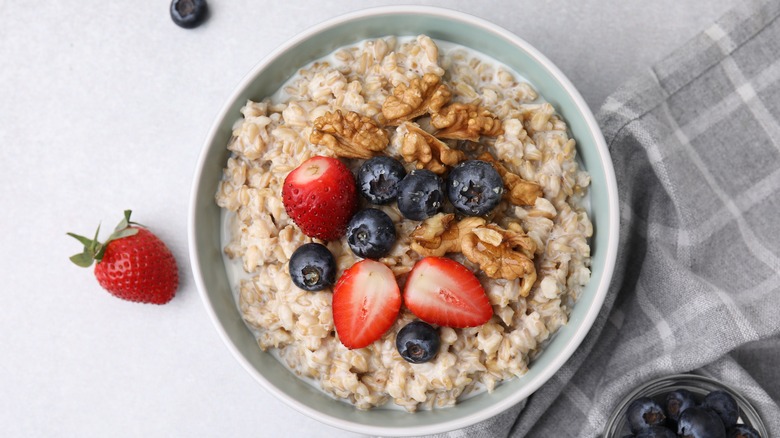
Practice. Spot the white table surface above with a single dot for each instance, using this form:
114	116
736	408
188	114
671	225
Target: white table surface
103	107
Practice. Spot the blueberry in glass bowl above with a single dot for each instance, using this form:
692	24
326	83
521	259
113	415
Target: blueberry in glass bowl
693	406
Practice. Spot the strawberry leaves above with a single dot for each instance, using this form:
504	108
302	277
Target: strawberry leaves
94	249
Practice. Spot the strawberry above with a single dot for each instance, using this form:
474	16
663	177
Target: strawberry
442	291
132	264
320	196
366	302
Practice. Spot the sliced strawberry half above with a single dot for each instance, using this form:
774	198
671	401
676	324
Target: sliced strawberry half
366	302
442	291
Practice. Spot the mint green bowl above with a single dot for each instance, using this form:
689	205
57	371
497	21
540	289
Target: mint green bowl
275	69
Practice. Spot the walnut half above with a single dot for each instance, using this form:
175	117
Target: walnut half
502	253
349	135
518	191
422	95
465	121
427	151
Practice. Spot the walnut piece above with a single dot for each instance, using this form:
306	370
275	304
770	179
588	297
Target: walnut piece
518	191
465	121
502	253
439	235
421	96
349	135
427	151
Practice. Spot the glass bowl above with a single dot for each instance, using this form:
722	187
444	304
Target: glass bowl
700	386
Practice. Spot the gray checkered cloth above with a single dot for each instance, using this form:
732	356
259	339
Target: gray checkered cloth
696	148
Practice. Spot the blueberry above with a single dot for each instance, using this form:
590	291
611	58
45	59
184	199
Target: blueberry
698	422
313	267
189	13
656	432
378	179
678	401
743	431
644	412
474	187
420	195
417	342
371	233
724	405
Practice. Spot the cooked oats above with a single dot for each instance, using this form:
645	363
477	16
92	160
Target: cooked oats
273	138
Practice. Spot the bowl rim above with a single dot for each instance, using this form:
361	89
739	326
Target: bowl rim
566	351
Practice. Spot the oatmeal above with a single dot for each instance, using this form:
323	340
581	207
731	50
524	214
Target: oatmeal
430	105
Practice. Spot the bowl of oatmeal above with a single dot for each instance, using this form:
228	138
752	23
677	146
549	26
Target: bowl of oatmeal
435	91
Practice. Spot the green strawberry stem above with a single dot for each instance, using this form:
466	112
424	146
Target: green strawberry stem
94	249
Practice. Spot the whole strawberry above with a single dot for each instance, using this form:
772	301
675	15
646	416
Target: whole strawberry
132	264
320	196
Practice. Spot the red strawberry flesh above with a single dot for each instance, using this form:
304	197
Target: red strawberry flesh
366	302
320	196
442	291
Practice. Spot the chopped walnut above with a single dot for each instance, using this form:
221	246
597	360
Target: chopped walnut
518	191
515	236
462	121
502	253
421	96
427	151
349	134
439	235
435	237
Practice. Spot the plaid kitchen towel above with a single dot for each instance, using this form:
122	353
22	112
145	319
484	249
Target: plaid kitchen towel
696	148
